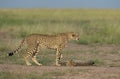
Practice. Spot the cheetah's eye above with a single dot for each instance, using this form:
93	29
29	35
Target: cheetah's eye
73	35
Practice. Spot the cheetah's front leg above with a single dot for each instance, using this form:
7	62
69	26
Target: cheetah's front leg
58	57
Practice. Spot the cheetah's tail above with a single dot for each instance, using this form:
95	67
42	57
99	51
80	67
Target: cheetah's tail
16	50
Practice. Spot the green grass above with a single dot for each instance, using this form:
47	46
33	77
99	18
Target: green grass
93	26
99	62
47	75
8	75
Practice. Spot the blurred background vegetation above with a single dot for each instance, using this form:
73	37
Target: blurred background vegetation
93	26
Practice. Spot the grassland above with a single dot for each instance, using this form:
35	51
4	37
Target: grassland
99	32
93	26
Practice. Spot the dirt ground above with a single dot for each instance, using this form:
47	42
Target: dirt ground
110	69
91	72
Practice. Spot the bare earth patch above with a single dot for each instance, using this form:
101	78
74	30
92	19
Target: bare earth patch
91	72
109	69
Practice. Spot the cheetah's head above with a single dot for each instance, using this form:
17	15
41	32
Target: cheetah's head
73	36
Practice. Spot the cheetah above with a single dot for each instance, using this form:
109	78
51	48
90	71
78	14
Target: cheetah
35	42
78	63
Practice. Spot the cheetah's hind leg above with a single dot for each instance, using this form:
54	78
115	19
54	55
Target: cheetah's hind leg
27	58
34	55
35	61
